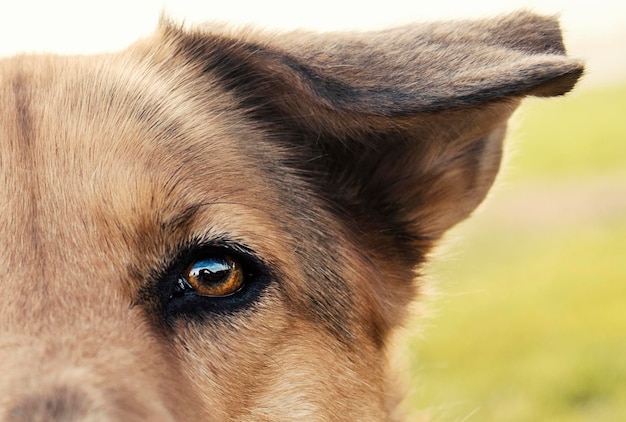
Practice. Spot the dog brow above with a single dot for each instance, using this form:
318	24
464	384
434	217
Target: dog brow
181	220
184	219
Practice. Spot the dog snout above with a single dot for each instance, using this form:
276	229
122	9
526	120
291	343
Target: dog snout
59	403
42	381
77	404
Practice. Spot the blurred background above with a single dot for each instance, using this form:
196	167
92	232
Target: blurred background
528	317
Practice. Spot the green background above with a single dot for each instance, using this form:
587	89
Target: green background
527	321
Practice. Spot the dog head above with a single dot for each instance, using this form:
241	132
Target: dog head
221	225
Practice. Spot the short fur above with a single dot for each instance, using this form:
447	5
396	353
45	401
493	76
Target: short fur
332	162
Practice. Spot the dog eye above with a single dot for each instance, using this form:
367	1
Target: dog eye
214	276
208	279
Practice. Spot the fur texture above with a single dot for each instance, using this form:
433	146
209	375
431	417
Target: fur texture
326	165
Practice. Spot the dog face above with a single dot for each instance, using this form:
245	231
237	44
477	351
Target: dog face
214	225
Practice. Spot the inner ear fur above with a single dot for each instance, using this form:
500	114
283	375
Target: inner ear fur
401	128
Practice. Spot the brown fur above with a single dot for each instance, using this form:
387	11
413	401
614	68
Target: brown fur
330	163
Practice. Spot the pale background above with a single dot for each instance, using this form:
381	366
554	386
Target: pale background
594	30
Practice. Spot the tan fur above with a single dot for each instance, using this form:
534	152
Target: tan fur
334	161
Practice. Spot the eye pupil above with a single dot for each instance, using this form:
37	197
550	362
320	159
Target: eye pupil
210	271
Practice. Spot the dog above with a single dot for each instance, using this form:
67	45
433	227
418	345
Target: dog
229	225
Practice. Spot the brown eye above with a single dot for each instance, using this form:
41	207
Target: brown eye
215	276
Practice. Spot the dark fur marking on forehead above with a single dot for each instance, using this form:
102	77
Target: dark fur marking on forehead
25	145
22	97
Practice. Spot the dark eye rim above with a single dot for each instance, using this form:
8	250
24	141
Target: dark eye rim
191	305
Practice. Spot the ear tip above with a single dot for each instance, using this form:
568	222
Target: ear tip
530	33
560	83
540	37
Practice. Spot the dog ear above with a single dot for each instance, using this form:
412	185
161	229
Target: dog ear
402	128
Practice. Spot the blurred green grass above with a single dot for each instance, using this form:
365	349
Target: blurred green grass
581	135
530	324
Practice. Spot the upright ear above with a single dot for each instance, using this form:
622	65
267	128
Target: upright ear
402	128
